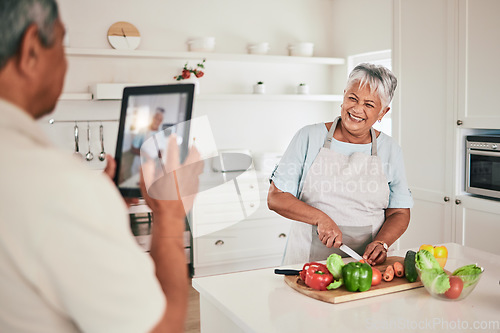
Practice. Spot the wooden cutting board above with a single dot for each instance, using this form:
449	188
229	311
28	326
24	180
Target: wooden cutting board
341	294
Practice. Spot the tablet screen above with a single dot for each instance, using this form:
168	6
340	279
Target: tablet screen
149	114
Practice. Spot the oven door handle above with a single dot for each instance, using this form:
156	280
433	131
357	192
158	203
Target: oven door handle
484	153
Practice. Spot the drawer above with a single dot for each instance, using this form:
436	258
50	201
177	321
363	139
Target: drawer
248	239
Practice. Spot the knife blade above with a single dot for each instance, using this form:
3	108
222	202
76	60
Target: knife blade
350	252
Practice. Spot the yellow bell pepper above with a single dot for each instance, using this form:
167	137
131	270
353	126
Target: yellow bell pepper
439	252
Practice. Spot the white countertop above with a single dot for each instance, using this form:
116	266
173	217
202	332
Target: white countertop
260	301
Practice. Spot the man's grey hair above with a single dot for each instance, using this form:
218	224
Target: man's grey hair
379	78
17	15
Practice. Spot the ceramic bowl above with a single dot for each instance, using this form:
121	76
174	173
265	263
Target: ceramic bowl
469	281
258	48
203	44
301	49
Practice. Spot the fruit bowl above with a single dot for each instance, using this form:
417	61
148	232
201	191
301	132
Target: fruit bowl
460	285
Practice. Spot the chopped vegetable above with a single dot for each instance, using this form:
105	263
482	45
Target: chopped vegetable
439	252
456	286
469	274
427	247
399	269
318	277
376	276
410	270
388	274
425	260
307	266
441	255
334	263
435	279
335	284
357	276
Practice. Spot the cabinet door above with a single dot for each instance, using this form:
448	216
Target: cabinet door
479	51
478	223
423	114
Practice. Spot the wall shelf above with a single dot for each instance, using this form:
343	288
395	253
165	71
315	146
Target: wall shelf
200	55
75	97
266	97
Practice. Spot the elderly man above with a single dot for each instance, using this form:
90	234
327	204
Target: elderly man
68	261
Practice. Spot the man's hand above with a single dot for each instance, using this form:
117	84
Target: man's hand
161	188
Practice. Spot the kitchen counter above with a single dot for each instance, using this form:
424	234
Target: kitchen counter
260	301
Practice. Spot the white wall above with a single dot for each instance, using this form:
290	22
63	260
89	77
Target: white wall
360	26
166	25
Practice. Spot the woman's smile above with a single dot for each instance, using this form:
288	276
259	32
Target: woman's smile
355	118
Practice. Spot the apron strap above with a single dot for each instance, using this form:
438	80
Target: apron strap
329	137
374	142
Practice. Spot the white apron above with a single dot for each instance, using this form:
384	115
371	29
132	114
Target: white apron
352	190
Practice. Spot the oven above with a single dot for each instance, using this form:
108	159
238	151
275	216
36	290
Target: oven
482	165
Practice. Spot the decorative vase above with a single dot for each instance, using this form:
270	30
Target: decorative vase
302	89
259	88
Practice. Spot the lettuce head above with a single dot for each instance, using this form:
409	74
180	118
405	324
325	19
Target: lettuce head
435	279
425	260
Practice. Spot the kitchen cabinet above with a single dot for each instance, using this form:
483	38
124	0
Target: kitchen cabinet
478	54
423	115
438	102
478	223
233	228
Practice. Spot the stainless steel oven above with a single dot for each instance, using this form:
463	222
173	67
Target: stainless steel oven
482	168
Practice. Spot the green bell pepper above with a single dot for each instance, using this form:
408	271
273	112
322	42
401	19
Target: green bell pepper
357	276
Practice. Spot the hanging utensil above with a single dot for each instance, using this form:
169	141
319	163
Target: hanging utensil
102	155
77	140
89	155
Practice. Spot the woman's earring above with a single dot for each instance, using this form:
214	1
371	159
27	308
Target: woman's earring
379	120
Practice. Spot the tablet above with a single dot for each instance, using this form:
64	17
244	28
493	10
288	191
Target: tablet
149	114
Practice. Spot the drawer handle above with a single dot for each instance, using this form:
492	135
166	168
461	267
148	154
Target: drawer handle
220	242
251	186
252	205
282	235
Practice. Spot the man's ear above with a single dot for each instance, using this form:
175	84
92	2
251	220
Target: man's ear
29	51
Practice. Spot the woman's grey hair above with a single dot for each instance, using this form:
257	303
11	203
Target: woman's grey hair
379	78
17	15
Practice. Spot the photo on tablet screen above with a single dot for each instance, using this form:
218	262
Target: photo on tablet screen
149	114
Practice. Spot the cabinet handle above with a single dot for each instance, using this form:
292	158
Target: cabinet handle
459	122
458	201
220	242
252	205
446	199
282	235
251	186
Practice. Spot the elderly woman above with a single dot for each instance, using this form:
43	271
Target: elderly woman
344	182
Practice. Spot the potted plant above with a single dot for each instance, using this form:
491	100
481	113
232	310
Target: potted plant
191	75
259	88
303	89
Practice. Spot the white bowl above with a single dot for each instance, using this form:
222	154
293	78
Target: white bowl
203	44
301	49
258	48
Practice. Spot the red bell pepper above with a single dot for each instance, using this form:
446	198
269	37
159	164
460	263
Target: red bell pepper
316	275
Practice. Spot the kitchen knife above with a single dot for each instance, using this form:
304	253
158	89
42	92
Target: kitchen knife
350	252
287	271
